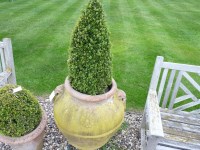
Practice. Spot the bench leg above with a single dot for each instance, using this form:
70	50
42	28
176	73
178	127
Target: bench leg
152	142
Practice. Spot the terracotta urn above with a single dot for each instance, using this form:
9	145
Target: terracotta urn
31	141
88	122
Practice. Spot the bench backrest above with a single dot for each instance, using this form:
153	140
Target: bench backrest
7	69
167	80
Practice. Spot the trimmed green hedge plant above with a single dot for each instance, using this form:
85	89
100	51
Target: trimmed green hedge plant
20	112
90	64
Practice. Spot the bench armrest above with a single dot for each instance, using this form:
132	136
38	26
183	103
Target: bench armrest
153	115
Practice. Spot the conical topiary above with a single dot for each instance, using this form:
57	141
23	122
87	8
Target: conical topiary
20	113
90	64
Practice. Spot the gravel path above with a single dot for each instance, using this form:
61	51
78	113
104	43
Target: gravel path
127	138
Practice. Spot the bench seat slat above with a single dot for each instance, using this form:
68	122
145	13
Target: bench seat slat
179	142
181	130
164	147
175	142
181	113
180	118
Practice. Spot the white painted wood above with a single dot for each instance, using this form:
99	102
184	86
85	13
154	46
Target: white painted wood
8	70
5	74
3	77
154	118
181	129
187	137
175	90
152	142
169	86
186	129
191	80
1	67
9	60
175	129
188	105
3	63
1	45
195	111
156	72
144	121
179	142
180	118
162	84
143	139
187	91
182	98
164	147
181	113
183	67
3	81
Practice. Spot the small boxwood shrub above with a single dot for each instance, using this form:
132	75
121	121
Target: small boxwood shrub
20	113
89	63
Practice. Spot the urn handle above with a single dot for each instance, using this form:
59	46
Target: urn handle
122	96
58	90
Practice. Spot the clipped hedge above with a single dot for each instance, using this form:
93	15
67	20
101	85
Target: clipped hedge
90	62
20	113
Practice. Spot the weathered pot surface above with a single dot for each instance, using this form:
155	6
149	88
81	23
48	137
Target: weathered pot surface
31	141
88	122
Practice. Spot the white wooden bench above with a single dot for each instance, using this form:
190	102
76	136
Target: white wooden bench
7	69
171	119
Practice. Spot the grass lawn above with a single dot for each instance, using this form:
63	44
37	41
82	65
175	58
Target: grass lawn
140	30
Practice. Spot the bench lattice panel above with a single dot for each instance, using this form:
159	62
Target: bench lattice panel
171	117
7	69
176	81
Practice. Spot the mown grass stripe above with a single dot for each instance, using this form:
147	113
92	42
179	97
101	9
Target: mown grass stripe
141	56
177	25
34	30
115	24
6	5
26	17
156	29
184	18
132	53
125	12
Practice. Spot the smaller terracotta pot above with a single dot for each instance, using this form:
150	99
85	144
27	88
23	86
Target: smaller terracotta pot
31	141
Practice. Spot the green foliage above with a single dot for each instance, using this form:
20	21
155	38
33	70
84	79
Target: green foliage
20	113
90	64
